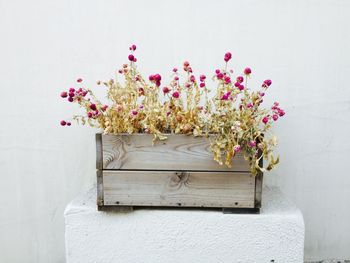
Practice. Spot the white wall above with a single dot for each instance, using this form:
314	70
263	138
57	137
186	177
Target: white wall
45	45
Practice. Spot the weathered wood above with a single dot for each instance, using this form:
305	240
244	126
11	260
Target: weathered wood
170	188
100	187
99	157
178	152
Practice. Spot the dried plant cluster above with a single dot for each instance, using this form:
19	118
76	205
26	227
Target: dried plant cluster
232	118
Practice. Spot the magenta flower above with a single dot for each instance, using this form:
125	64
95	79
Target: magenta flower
93	106
247	71
266	83
227	80
69	124
63	123
220	76
237	148
70	99
241	87
265	120
217	71
176	95
79	80
64	94
202	78
227	56
166	90
252	144
192	78
275	117
175	70
131	57
239	79
89	114
133	47
202	85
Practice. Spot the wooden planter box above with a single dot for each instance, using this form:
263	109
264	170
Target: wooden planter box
177	172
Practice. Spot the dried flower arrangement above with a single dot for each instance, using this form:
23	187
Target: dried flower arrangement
232	118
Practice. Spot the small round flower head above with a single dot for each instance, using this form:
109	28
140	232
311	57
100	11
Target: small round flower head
241	87
265	120
93	106
237	148
267	83
79	80
64	94
247	71
275	117
71	94
134	112
176	78
227	80
176	95
252	144
104	107
202	78
227	56
71	90
69	124
166	90
174	70
217	71
133	47
131	57
70	99
202	85
281	113
220	76
63	123
90	114
192	78
239	79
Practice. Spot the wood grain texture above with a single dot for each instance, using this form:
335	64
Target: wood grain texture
170	188
178	152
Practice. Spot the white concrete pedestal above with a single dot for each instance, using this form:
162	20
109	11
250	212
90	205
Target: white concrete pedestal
184	236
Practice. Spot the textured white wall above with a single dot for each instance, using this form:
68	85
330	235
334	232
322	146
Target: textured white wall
45	45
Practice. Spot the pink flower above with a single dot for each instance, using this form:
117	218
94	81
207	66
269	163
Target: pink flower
265	119
174	69
227	80
104	107
69	124
241	87
267	83
202	78
63	123
237	84
134	112
71	94
64	94
261	94
220	76
217	71
166	90
70	99
226	96
237	148
133	47
79	80
249	105
176	78
89	114
252	144
71	90
176	95
131	57
157	77
227	56
186	64
202	85
151	77
192	78
281	113
247	71
239	79
93	106
275	117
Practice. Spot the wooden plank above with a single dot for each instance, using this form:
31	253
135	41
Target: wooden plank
170	188
99	159
178	152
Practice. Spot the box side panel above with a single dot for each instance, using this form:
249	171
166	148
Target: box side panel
188	189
